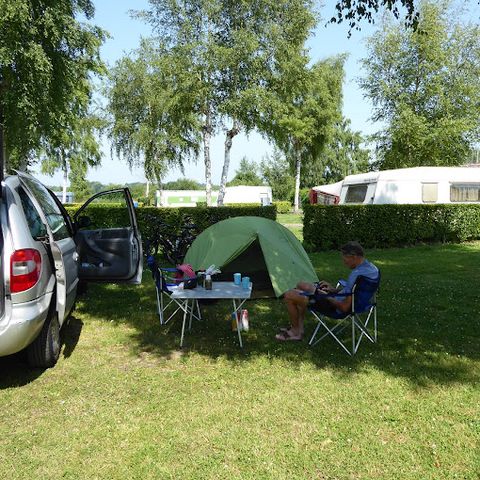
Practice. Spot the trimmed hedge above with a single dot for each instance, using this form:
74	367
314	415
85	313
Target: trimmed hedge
149	218
329	227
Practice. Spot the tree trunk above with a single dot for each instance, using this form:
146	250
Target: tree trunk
65	180
158	199
207	135
298	167
226	160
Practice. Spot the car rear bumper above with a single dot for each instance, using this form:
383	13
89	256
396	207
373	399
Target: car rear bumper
22	324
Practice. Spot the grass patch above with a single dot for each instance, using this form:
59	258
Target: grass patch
290	218
125	402
293	221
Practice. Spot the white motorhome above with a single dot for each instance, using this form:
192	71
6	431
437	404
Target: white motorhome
410	185
238	194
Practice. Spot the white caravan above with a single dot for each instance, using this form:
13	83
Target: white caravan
408	185
238	194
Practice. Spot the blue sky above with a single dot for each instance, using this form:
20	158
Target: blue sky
328	40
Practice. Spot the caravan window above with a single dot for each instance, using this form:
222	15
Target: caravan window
466	192
356	193
429	192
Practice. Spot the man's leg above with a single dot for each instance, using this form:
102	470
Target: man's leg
296	306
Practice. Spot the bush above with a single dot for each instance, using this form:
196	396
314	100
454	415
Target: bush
328	227
150	218
283	207
304	197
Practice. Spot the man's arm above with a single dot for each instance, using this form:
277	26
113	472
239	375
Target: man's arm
325	287
344	305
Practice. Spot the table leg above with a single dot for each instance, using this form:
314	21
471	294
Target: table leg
235	311
185	310
192	306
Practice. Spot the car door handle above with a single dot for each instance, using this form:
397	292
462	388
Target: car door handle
75	256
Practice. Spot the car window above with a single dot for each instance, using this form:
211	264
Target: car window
35	224
112	202
54	216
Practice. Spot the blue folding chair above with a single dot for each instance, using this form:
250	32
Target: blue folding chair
165	285
364	311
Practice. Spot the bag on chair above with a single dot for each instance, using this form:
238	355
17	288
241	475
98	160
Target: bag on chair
186	275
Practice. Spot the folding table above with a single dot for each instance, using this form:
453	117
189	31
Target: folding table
219	291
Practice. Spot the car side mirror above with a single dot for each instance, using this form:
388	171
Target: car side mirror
83	222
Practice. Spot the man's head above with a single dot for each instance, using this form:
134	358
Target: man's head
352	254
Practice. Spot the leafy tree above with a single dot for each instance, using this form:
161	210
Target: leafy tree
46	60
425	88
356	11
78	182
246	174
254	39
76	144
152	121
183	184
342	156
185	34
96	187
229	49
303	111
277	173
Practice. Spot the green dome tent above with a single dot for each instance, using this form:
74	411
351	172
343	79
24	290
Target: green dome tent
254	246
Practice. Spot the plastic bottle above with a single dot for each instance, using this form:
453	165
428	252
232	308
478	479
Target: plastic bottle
244	320
201	278
208	282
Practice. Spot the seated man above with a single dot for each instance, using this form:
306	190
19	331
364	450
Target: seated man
297	300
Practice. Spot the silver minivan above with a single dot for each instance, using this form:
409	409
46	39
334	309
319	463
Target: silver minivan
44	256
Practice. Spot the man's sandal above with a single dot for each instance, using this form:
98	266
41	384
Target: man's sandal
286	337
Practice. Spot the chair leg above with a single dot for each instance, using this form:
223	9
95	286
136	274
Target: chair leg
317	328
338	328
159	306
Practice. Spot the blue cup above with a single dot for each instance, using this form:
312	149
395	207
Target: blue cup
246	282
237	278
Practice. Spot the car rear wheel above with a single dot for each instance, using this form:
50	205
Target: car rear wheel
45	349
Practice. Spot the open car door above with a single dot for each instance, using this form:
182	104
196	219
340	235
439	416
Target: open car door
109	247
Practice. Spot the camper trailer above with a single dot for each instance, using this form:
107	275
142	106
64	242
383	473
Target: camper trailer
238	194
409	185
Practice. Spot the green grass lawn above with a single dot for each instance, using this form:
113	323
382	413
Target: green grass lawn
293	221
125	403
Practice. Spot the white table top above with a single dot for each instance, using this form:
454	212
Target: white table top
219	290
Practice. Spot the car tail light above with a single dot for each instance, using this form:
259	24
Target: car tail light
25	268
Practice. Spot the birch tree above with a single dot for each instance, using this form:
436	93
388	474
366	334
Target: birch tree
252	41
186	31
153	123
425	89
302	115
47	57
74	146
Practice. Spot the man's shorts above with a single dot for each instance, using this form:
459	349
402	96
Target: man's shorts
322	305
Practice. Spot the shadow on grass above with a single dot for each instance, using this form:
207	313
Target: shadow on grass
428	333
71	335
14	369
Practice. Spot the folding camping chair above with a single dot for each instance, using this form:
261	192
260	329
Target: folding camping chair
364	310
165	284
